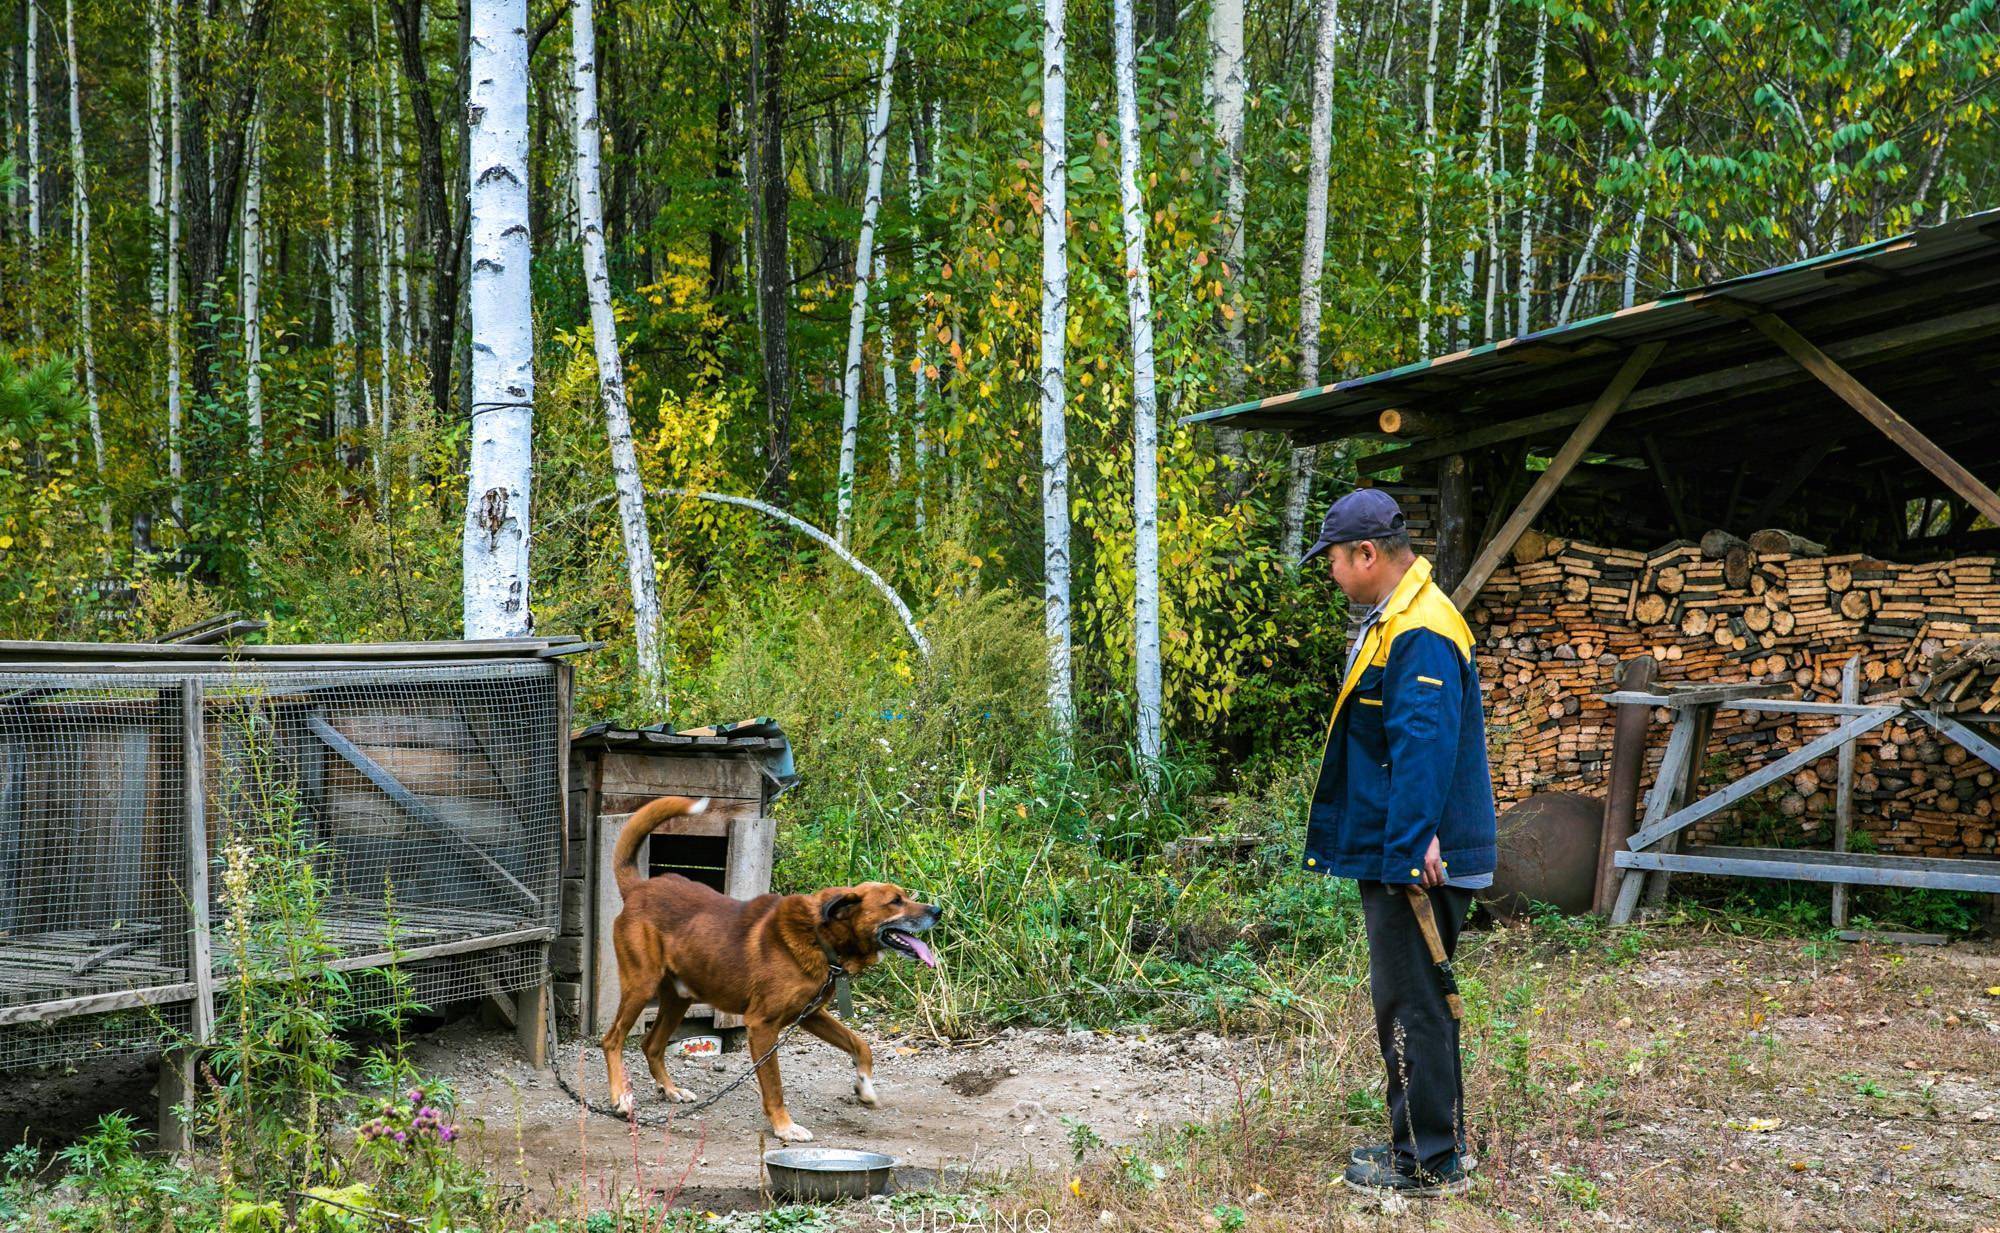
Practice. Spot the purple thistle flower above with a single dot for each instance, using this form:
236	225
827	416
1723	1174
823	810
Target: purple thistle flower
416	1095
448	1133
401	1137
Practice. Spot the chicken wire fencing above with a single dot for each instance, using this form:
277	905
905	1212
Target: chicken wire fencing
170	836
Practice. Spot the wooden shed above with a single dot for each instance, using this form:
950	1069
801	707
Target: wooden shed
1778	492
615	770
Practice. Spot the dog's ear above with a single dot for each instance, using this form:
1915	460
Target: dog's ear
837	905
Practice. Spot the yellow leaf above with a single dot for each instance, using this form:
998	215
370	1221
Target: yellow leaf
1076	1186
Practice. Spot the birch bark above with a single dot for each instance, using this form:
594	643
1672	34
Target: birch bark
1054	354
641	573
864	257
502	316
1145	427
80	184
1312	260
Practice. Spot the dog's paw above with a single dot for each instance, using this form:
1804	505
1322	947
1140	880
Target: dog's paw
678	1096
864	1091
792	1132
623	1104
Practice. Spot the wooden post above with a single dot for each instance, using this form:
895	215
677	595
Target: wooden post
1879	413
1628	762
533	1021
1843	800
1454	532
1566	458
177	1067
1659	803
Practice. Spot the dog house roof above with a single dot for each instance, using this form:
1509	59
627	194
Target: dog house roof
761	738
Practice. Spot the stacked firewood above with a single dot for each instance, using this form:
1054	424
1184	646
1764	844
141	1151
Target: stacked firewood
1554	623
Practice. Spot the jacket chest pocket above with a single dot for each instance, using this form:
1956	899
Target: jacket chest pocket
1365	716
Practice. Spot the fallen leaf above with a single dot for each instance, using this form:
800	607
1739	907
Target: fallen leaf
1798	1166
1764	1123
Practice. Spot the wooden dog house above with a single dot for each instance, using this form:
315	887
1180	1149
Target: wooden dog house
614	771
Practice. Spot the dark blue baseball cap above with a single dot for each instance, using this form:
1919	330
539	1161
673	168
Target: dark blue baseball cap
1365	513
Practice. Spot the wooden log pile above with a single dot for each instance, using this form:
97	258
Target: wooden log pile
1554	622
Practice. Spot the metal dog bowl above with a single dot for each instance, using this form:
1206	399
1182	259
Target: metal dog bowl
817	1174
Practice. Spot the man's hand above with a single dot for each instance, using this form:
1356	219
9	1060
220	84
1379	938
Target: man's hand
1433	867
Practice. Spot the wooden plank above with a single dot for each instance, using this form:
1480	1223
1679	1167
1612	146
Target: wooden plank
1788	706
683	775
1736	378
1566	458
25	650
1806	865
483	862
1680	752
194	776
1895	427
712	824
1890	937
1699	695
1843	797
177	1092
1974	743
1690	783
1764	775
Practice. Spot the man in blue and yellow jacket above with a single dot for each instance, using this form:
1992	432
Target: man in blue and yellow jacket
1404	798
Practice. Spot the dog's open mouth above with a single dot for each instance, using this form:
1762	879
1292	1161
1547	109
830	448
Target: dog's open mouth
900	937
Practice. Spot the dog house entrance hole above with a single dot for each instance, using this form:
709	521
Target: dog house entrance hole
698	858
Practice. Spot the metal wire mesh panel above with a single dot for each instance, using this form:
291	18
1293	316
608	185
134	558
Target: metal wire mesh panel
346	814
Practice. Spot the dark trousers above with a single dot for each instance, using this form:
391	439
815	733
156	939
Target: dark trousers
1419	1037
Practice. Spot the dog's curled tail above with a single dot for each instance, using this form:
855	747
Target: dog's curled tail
644	821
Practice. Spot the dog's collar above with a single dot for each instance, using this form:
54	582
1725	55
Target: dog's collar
834	968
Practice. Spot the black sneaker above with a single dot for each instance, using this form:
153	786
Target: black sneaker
1392	1177
1378	1154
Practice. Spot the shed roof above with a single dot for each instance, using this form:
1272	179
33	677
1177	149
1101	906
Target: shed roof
1917	313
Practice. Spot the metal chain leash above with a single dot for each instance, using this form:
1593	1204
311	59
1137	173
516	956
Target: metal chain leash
833	973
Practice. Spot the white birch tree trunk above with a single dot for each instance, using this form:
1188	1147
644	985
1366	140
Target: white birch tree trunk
864	254
1145	427
1227	82
176	466
1538	77
80	186
640	570
385	257
31	171
1054	355
1312	261
156	156
404	343
253	283
920	375
501	302
338	261
891	387
1428	178
1648	119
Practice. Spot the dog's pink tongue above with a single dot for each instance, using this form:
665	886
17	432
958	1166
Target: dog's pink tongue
921	951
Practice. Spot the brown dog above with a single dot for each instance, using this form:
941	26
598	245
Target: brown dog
765	960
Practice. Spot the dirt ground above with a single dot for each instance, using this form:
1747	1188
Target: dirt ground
989	1108
1697	1080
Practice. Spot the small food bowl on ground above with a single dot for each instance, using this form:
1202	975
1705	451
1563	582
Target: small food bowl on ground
818	1174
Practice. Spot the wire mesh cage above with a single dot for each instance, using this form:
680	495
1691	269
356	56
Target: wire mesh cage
165	828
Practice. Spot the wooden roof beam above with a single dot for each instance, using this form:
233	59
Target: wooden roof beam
1880	414
1607	405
